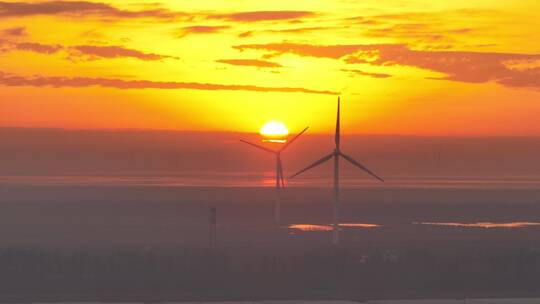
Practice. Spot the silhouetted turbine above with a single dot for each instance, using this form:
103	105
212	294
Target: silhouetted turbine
280	179
336	154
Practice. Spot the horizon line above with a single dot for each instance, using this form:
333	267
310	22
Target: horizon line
456	135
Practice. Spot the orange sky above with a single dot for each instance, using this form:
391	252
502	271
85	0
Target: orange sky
401	67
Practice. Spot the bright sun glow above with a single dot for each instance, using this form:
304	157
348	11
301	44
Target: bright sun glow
274	129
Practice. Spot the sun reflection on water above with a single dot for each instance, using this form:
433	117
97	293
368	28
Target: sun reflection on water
308	227
274	141
485	225
312	227
359	225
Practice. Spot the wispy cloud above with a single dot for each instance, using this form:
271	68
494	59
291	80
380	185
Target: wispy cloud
292	30
385	18
246	34
91	52
256	16
37	47
417	32
107	11
474	67
202	29
80	82
80	8
424	29
85	52
251	62
308	50
301	29
363	73
18	31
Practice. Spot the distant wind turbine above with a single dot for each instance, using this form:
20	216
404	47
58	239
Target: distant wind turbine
280	179
336	154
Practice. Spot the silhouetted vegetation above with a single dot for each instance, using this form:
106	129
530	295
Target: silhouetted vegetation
324	274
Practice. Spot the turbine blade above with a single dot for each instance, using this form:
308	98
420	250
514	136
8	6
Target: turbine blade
359	165
315	164
338	124
258	146
294	139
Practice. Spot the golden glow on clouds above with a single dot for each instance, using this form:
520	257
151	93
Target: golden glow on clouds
413	67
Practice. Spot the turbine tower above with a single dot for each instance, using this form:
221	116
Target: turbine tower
280	180
336	154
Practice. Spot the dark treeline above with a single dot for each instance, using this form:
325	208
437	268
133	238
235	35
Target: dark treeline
323	274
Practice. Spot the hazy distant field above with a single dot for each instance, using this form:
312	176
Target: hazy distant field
67	216
152	242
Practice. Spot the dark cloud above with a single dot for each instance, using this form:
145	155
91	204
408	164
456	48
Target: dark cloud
81	82
97	52
509	69
18	31
251	62
362	73
78	9
256	16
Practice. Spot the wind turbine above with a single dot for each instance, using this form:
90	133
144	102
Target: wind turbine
336	154
280	180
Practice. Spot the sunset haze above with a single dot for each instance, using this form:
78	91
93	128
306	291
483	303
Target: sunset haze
401	67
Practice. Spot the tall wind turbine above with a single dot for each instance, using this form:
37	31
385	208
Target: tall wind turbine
280	179
336	154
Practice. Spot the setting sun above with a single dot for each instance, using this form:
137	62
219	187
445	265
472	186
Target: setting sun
274	129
